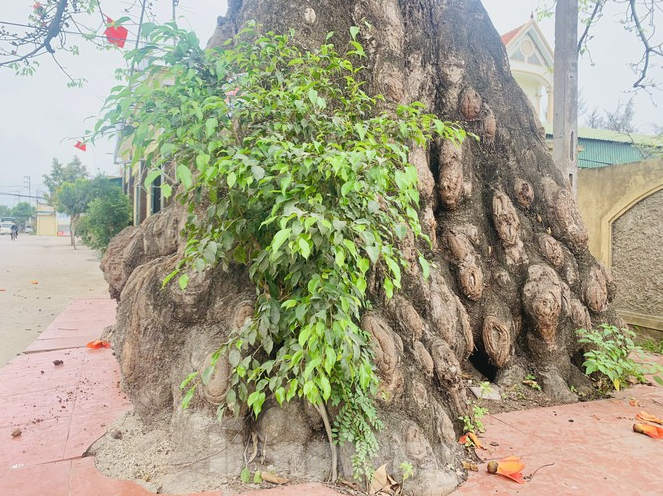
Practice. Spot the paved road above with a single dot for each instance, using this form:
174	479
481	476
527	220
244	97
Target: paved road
61	274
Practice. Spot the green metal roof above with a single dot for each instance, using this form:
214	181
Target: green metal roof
593	153
601	148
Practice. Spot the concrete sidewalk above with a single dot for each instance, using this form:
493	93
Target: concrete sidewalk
57	398
580	449
52	412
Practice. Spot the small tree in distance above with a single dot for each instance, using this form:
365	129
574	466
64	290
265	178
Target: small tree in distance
73	199
22	212
60	174
106	216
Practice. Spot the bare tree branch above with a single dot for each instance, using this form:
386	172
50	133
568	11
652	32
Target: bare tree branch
649	50
594	16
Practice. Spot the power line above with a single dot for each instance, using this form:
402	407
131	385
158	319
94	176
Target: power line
34	197
75	33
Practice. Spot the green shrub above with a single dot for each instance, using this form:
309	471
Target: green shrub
105	217
611	356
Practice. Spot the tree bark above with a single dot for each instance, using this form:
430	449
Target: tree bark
513	278
72	233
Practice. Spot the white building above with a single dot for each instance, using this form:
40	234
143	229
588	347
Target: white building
531	60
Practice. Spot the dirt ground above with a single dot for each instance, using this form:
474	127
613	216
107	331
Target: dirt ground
39	276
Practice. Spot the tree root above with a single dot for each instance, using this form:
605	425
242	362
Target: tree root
334	461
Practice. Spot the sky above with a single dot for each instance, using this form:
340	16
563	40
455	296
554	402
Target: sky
42	119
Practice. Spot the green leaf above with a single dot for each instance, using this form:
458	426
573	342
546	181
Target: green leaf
425	267
245	475
389	287
373	253
202	161
188	379
279	394
325	386
310	366
151	176
184	175
210	126
257	172
166	190
347	187
303	336
304	248
257	477
395	269
183	281
234	357
207	374
280	238
313	96
354	30
187	397
400	230
231	179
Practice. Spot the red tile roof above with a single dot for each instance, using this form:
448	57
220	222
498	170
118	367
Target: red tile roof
507	37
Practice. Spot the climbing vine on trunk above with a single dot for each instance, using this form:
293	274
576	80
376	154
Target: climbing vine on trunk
288	167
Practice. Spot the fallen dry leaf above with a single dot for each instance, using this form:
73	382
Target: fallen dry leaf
98	344
463	439
634	402
645	417
650	430
57	362
510	467
3	289
34	282
383	484
470	466
273	478
16	432
473	437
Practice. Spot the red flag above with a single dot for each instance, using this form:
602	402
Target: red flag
81	146
115	35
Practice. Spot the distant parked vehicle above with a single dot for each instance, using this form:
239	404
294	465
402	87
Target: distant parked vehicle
28	229
6	228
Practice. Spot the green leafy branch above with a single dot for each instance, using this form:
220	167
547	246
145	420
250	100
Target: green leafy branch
286	167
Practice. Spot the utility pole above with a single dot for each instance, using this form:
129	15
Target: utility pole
565	116
28	186
175	4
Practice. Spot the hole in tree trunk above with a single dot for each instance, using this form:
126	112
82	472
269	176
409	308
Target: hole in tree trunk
480	362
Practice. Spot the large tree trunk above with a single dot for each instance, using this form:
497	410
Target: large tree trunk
513	278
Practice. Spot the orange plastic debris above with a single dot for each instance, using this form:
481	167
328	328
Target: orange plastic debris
645	417
650	430
98	344
510	467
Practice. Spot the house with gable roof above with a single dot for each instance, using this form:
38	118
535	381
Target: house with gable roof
531	60
620	188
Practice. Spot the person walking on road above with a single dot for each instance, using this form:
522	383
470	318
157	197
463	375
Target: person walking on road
14	232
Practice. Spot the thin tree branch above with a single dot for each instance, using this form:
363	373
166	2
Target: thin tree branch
52	32
598	7
648	49
56	25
